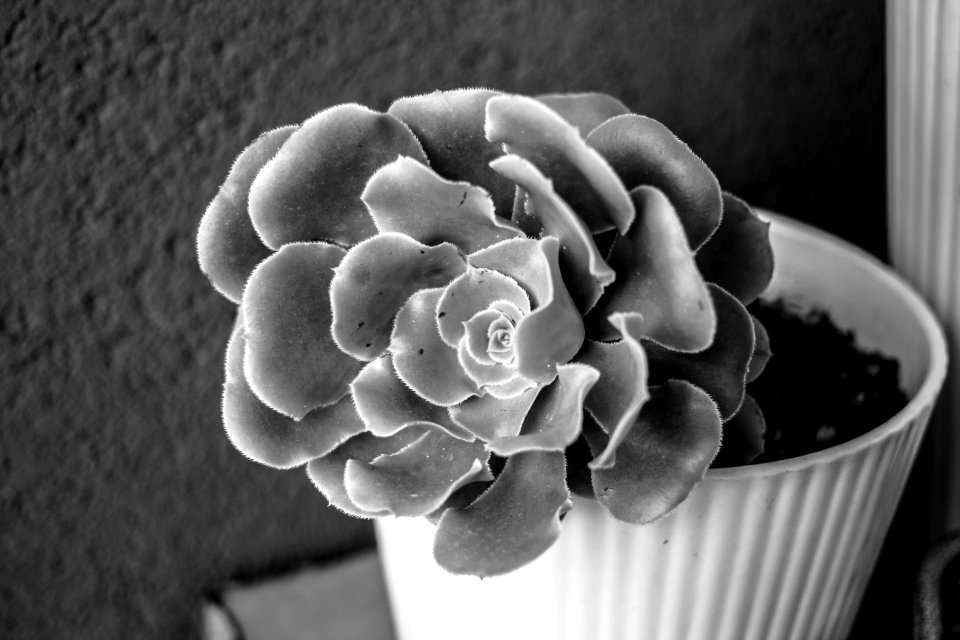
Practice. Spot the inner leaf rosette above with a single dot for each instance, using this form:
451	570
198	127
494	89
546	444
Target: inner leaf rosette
438	302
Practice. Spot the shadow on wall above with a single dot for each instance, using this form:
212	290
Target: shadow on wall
120	497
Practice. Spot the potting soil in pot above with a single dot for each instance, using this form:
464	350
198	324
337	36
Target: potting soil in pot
819	389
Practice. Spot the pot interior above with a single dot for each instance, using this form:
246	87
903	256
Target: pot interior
815	269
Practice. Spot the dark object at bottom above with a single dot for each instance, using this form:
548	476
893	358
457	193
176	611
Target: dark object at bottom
937	603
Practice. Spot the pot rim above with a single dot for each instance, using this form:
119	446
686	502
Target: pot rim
926	393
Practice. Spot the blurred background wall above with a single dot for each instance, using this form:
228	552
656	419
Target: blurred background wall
121	501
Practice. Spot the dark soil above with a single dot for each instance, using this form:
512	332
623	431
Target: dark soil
819	389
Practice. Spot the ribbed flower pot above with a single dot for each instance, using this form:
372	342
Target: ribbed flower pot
923	152
778	550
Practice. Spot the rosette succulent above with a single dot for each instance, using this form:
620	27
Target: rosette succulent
470	304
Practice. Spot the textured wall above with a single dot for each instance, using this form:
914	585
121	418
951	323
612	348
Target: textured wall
120	498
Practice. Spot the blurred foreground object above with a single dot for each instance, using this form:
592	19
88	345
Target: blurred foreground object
937	604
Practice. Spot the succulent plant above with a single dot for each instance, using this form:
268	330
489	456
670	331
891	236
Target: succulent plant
439	303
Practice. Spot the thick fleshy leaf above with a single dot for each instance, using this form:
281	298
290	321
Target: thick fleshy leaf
658	288
616	401
489	418
721	369
311	188
554	420
511	312
291	361
644	152
761	351
525	262
422	359
553	332
228	247
417	479
585	111
500	341
738	257
407	197
525	218
584	271
327	473
581	176
450	126
387	406
663	457
742	436
475	290
271	438
477	336
459	499
481	373
511	388
375	279
512	523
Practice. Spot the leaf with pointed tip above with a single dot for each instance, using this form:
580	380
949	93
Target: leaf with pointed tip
581	176
584	271
644	152
290	360
271	438
449	125
554	420
327	473
228	247
422	359
663	457
407	197
721	369
738	256
761	351
742	436
658	288
585	111
375	279
616	401
512	523
387	406
472	291
417	479
311	188
489	418
553	332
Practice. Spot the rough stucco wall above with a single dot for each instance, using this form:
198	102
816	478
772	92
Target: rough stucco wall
120	498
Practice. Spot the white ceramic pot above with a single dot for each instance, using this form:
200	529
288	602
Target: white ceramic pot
778	550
